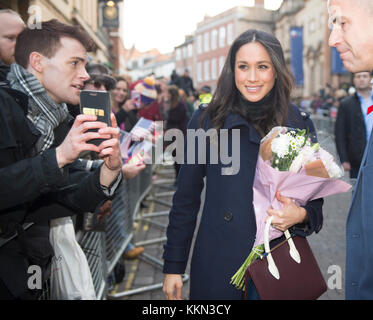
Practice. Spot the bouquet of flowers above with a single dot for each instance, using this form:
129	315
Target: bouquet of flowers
288	162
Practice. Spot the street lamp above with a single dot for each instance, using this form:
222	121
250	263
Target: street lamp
110	3
110	13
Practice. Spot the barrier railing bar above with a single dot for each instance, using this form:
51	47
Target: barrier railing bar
156	286
153	215
151	241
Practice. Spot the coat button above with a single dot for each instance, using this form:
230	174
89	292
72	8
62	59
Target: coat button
228	216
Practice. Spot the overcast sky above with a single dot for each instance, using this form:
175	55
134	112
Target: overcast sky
163	24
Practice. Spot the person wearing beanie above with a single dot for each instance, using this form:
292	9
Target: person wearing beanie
147	91
151	109
131	110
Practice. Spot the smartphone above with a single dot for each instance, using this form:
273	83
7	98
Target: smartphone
96	103
136	97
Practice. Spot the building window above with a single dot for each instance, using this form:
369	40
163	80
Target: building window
213	69
185	52
178	54
214	39
312	26
199	44
222	33
206	42
207	70
190	69
221	64
230	33
190	50
199	71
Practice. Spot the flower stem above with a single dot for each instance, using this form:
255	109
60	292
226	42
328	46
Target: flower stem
238	279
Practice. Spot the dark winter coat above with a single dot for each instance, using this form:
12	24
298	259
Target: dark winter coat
227	228
128	118
177	118
350	131
4	69
34	189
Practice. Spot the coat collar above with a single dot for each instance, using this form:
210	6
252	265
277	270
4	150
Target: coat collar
235	120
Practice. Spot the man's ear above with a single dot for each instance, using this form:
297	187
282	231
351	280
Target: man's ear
36	62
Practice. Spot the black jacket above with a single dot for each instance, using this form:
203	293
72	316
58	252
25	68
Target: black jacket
177	118
350	131
4	69
129	118
34	189
186	83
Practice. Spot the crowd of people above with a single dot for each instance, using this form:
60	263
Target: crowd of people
43	138
43	133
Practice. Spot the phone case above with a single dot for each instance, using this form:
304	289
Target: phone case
96	103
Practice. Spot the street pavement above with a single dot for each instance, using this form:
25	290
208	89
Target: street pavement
328	245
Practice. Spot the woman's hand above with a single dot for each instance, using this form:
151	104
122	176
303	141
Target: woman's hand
130	171
129	105
289	215
172	283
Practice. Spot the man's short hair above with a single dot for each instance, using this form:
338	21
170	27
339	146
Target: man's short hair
46	40
356	73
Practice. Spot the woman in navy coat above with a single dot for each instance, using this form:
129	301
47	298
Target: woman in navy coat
253	96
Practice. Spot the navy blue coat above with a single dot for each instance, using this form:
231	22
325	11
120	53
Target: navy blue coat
359	237
227	229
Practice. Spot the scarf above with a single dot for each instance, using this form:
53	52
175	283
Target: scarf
256	113
42	110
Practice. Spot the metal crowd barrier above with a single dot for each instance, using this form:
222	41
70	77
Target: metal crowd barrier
104	249
323	124
151	218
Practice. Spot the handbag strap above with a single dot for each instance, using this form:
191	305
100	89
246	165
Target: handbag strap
293	250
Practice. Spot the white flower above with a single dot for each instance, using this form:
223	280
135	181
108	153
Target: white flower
280	145
334	171
300	140
293	144
308	153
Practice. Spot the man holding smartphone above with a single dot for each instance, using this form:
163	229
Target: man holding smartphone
39	147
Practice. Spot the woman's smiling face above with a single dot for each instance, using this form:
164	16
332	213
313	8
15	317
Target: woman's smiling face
254	71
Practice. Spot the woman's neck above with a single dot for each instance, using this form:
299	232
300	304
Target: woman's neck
115	107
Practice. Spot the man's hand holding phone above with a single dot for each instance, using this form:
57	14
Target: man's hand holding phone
77	140
94	130
109	151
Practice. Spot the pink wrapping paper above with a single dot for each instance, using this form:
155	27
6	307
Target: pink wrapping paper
298	186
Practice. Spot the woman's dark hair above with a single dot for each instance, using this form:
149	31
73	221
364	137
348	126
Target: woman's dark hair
226	98
174	93
120	78
46	40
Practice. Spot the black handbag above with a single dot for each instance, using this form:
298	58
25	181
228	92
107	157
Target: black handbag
289	271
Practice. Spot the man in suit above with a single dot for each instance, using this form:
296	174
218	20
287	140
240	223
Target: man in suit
352	35
353	124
